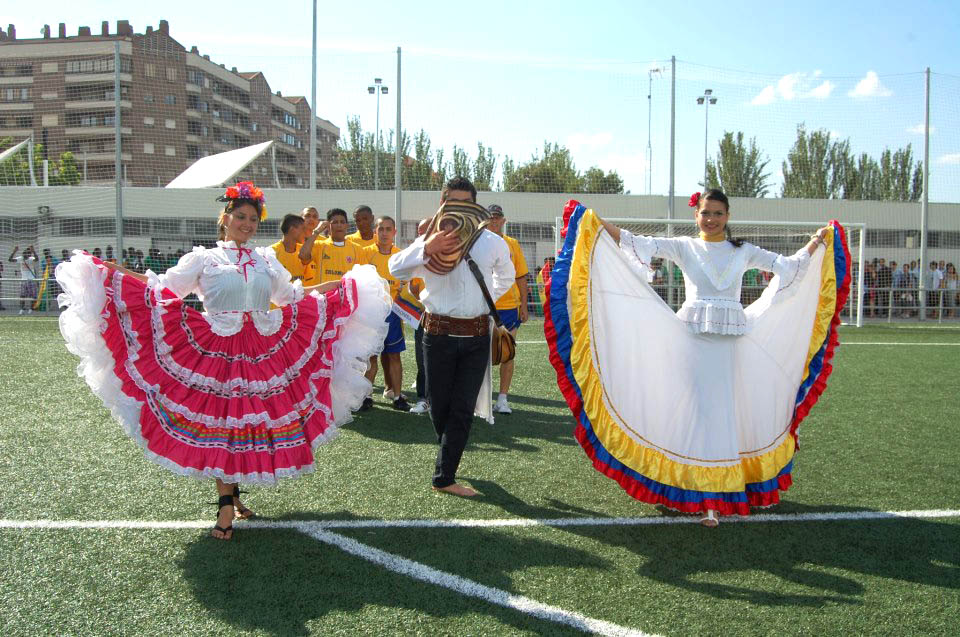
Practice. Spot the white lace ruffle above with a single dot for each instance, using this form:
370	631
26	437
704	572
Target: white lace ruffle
714	316
361	336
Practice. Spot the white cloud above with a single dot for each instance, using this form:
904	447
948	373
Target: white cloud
799	85
918	129
579	141
953	158
823	91
766	96
870	86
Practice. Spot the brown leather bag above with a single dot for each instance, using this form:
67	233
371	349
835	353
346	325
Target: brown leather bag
503	347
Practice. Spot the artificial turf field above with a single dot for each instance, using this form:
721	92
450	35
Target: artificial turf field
364	547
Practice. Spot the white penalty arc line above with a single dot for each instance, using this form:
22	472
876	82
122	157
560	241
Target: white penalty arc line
467	587
827	516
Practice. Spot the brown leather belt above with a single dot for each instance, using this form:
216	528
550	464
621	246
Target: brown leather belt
451	326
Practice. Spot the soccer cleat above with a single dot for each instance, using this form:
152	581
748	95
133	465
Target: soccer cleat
401	404
420	408
389	395
502	406
367	404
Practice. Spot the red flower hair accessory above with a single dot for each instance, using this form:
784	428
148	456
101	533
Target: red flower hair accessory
694	200
246	190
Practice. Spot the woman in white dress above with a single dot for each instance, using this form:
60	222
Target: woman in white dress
239	392
698	410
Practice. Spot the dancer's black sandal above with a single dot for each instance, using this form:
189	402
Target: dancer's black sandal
224	501
240	512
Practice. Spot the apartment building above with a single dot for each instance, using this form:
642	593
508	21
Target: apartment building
176	106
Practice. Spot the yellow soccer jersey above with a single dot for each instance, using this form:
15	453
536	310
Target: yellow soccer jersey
360	241
511	299
332	261
290	260
372	255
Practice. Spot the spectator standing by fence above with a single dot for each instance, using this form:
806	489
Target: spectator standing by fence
951	283
932	279
27	263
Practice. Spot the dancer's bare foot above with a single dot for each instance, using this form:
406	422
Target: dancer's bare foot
710	520
241	512
457	489
224	528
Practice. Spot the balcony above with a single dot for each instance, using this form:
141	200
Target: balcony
16	106
94	103
74	78
111	156
16	79
84	131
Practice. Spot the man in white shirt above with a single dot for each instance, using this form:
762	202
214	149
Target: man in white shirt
456	340
931	281
28	277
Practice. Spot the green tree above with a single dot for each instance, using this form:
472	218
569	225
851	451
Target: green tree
820	169
483	167
808	171
595	181
555	171
15	170
738	169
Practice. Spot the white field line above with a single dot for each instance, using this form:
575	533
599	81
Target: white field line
467	587
461	585
827	516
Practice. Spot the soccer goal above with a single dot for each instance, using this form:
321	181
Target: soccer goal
785	237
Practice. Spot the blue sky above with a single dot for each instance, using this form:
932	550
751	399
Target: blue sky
516	74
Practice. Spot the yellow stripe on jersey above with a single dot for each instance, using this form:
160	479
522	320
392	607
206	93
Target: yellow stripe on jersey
511	299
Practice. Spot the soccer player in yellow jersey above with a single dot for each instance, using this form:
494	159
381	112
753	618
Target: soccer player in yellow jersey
366	234
512	306
288	248
378	255
332	258
311	219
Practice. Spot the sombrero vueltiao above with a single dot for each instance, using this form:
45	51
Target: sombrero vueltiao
468	220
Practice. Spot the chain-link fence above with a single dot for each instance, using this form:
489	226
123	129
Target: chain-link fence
91	125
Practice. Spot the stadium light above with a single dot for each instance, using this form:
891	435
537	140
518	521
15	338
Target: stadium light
377	89
706	99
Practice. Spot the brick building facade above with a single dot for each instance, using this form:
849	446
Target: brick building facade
176	106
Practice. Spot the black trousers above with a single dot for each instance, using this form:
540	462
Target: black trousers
421	373
455	366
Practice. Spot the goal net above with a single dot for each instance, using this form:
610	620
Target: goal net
784	237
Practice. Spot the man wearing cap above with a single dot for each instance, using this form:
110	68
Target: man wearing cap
512	306
456	340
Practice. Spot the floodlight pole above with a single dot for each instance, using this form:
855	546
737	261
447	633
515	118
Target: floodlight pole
706	99
925	201
650	73
397	159
313	106
377	88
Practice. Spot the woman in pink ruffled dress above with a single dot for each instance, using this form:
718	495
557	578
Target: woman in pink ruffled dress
238	392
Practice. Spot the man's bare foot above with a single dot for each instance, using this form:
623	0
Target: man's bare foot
457	489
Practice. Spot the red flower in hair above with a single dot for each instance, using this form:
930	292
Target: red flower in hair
694	199
232	193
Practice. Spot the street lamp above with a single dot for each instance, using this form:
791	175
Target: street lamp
377	89
706	99
650	73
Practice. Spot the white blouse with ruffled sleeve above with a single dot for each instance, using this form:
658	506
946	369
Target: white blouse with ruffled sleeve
713	274
234	282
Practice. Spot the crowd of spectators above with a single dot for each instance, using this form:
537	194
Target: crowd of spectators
893	290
